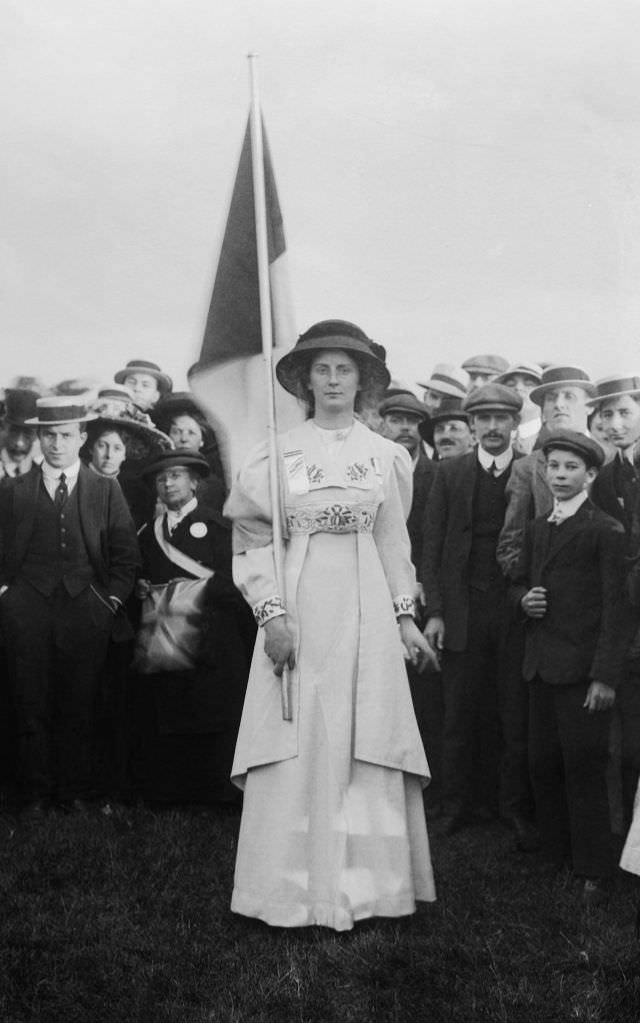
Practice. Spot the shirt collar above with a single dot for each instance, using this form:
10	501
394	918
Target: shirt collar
565	509
174	517
54	474
626	454
502	461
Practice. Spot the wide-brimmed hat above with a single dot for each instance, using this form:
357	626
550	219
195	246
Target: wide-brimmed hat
561	376
404	402
450	408
447	379
525	369
58	409
493	397
485	364
19	406
579	443
165	383
339	335
116	410
184	459
614	387
177	403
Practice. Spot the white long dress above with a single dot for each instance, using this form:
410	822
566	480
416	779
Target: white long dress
333	827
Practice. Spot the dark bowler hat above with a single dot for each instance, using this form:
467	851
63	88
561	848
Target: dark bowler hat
615	387
493	397
178	459
570	440
59	409
19	405
450	408
554	377
326	335
405	402
485	364
165	383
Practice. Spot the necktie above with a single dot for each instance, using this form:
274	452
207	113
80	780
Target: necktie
16	471
493	469
62	492
555	517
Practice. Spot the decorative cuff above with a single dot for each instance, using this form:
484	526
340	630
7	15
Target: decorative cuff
267	609
404	605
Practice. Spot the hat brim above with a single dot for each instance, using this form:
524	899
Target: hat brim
61	422
290	365
536	395
596	401
427	429
154	439
443	388
170	407
165	383
175	460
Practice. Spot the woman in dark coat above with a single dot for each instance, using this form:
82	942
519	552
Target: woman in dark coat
188	717
181	418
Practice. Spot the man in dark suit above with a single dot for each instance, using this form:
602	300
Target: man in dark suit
571	588
616	490
69	556
403	417
469	621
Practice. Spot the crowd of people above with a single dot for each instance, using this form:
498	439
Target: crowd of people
455	618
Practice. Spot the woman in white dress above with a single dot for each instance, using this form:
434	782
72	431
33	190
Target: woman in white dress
333	827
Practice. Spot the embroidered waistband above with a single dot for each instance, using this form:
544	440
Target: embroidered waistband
332	518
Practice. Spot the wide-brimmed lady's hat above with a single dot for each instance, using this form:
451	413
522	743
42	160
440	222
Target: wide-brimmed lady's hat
165	383
615	387
178	403
58	410
116	410
178	460
555	377
328	335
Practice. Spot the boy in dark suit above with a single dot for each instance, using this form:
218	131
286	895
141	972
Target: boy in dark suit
570	588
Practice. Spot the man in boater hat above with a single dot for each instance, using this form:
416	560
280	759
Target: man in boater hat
68	564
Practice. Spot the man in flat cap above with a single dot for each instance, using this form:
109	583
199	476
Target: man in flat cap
482	369
469	623
69	556
616	490
562	395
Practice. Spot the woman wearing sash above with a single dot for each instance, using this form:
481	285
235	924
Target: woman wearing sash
193	646
333	827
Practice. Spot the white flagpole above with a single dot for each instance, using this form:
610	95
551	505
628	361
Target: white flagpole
257	162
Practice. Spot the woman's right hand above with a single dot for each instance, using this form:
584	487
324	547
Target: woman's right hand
278	644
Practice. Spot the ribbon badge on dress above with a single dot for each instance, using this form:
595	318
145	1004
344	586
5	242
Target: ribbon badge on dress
296	471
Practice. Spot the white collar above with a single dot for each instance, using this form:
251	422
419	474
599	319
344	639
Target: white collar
565	509
70	472
502	461
174	517
626	454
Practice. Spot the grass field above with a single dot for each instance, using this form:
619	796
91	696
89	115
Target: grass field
126	919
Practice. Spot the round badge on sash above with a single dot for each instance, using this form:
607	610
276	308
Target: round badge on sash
198	530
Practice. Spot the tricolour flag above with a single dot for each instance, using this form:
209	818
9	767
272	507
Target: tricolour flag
229	377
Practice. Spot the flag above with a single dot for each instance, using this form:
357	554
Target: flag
229	377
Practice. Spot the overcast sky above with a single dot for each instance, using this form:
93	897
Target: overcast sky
456	176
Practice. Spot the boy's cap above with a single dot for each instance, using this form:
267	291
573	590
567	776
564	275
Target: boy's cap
493	398
608	388
570	440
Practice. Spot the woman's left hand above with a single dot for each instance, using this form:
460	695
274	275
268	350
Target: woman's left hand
420	653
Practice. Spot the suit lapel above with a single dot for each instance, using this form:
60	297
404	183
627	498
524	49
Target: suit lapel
563	534
89	505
